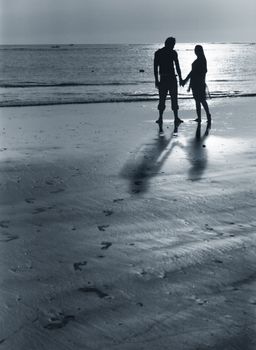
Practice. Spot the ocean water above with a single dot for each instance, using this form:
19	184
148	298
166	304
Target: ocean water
58	74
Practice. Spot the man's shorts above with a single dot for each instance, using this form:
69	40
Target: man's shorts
168	85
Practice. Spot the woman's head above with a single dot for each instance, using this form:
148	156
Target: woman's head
199	51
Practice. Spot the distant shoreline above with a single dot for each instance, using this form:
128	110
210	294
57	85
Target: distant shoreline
113	44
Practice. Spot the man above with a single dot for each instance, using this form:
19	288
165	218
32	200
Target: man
164	61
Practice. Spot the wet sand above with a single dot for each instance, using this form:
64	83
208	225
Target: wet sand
113	237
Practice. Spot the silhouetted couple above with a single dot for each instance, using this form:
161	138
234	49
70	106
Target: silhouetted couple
166	81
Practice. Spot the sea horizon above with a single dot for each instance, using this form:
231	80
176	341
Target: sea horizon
50	74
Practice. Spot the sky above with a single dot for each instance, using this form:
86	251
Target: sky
126	21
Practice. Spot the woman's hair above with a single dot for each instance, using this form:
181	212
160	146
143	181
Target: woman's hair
199	51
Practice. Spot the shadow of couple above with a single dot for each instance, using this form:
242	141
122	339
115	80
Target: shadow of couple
148	160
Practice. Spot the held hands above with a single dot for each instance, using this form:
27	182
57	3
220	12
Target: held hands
182	82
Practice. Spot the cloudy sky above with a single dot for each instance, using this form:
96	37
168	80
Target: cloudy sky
126	21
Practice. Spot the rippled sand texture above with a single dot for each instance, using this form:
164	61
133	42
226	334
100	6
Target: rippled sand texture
113	237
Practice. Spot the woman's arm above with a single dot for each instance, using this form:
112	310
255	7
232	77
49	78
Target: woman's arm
187	78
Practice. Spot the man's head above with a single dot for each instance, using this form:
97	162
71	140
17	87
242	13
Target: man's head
170	42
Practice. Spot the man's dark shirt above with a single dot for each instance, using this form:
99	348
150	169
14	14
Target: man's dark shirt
165	59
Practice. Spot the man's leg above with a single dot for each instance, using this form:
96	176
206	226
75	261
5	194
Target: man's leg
177	120
175	109
161	106
174	100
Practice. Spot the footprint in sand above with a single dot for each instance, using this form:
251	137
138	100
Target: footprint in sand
200	301
138	182
58	190
108	212
140	304
41	209
77	265
217	261
4	223
102	227
7	237
30	200
22	268
97	291
209	228
49	182
118	200
59	321
143	273
105	245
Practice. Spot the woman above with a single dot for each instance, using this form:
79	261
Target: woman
197	83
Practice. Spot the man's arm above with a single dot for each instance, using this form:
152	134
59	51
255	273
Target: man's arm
177	65
156	65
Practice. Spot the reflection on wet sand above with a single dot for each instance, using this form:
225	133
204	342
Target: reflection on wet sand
147	162
197	154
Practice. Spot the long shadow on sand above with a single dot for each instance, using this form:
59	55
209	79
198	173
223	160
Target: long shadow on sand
147	162
197	154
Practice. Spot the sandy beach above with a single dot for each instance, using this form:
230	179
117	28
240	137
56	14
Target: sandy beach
113	237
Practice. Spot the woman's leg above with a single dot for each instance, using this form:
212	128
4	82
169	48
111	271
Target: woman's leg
198	111
206	108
